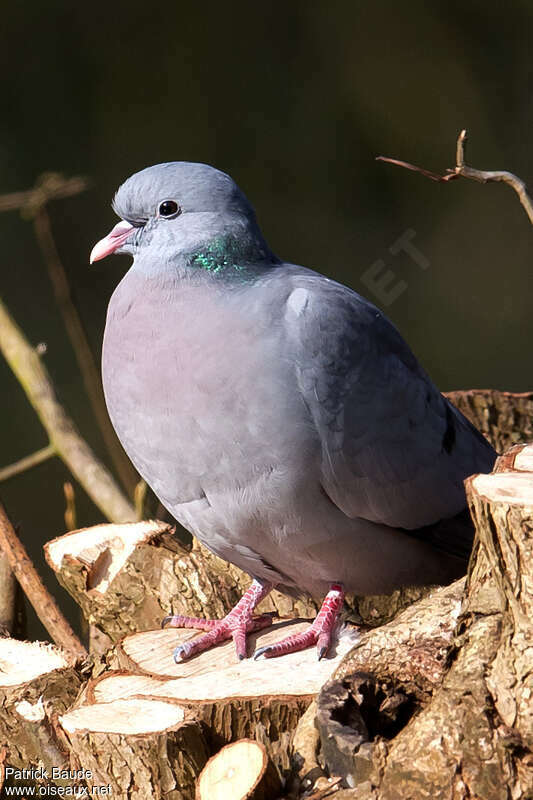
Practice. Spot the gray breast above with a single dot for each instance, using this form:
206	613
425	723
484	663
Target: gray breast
198	392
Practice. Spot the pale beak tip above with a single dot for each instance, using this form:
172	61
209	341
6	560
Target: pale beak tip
111	243
96	254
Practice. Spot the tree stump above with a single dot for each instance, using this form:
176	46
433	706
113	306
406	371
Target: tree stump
390	673
240	771
136	747
261	699
435	703
37	682
128	577
464	727
505	418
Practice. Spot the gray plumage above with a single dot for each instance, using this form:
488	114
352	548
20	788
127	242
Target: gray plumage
279	416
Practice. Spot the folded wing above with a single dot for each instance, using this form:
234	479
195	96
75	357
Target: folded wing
394	450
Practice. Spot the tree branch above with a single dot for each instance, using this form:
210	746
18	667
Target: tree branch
32	205
461	170
63	435
7	598
27	463
50	186
42	601
84	356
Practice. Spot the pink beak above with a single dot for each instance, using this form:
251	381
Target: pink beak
114	239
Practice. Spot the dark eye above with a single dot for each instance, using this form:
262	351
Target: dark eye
168	208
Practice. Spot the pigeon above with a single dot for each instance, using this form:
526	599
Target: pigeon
278	415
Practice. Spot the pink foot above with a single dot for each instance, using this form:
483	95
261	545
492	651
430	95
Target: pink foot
320	632
235	625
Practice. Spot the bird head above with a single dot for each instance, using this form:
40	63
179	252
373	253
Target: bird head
172	204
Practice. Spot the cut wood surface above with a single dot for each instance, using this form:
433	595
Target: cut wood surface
228	699
435	703
262	699
139	747
240	771
151	653
523	460
37	681
518	459
468	731
502	508
128	577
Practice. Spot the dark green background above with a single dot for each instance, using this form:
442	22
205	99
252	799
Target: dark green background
294	100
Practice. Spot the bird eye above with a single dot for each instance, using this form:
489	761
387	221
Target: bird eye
168	208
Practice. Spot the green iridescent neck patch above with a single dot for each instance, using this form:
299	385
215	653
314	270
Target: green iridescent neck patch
227	253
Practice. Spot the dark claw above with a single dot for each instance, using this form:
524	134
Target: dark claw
241	657
165	621
322	652
259	652
179	652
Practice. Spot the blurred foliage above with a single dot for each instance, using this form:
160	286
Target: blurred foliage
294	100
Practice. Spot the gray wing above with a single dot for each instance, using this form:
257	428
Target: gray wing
394	450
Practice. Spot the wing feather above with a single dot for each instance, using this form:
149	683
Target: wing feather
394	450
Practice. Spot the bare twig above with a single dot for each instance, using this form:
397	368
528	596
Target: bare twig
139	498
49	187
70	510
63	435
434	176
32	205
42	601
27	463
7	597
461	170
80	344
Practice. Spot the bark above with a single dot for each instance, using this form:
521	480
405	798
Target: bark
505	418
240	771
126	578
160	576
307	772
137	747
458	723
99	643
7	595
42	601
3	754
389	674
434	703
261	699
37	681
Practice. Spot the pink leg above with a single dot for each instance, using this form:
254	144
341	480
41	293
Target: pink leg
235	625
319	632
